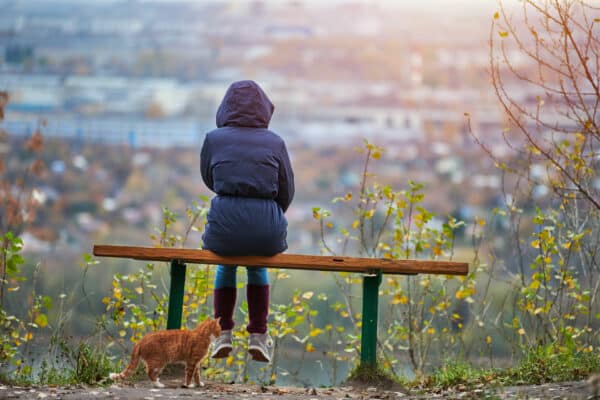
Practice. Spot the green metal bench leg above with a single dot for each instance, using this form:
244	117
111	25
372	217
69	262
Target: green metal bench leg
368	344
176	295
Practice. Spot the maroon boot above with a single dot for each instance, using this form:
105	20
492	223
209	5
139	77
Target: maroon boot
258	308
224	304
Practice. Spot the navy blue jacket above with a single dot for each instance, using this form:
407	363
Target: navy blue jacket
248	167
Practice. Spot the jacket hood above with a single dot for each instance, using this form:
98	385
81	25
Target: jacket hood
245	104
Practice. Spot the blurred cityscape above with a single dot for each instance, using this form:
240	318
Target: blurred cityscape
128	89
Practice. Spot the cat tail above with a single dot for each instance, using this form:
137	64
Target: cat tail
135	359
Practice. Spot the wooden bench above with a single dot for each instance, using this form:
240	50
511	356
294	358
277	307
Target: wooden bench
371	268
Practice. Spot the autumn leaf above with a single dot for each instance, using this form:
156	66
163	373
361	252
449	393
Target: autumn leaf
41	320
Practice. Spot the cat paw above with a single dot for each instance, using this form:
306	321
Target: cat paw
158	384
114	376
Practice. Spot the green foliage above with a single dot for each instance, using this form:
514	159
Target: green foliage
551	363
84	363
373	376
394	224
539	365
18	331
90	364
454	373
138	301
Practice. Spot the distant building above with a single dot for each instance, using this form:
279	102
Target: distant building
18	54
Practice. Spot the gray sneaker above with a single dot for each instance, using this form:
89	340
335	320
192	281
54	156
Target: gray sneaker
223	345
260	347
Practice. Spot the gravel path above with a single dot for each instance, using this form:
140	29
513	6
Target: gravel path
144	391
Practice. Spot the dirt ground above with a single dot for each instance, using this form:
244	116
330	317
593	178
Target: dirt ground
145	391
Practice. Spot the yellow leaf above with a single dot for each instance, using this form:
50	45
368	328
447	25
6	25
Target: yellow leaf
431	331
535	244
369	214
503	34
310	348
496	15
13	289
488	340
376	155
41	320
355	224
229	361
139	289
106	300
315	332
28	336
329	225
534	284
122	333
399	299
348	196
521	331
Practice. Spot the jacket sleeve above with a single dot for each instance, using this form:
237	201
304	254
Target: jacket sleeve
205	164
286	180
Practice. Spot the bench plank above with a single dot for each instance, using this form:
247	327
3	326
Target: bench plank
287	261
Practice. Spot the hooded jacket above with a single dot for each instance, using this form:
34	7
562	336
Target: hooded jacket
248	167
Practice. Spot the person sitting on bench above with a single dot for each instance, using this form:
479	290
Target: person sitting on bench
248	167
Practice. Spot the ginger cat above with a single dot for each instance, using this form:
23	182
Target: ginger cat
160	348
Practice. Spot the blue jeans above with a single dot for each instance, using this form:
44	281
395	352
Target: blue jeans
226	276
